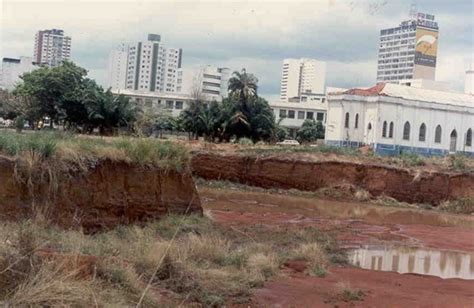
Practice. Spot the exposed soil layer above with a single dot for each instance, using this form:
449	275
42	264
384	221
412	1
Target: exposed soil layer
353	224
277	172
380	289
106	195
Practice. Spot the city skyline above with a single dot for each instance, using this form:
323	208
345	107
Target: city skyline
255	36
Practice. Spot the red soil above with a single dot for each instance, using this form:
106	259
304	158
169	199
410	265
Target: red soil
413	186
381	289
106	195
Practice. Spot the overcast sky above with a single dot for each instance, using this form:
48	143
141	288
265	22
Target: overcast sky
256	35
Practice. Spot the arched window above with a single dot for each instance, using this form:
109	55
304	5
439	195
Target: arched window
438	134
384	129
390	130
422	134
406	131
346	121
469	137
369	127
356	124
453	141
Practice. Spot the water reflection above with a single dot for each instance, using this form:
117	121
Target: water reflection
441	263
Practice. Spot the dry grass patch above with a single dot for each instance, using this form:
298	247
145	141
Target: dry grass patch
190	256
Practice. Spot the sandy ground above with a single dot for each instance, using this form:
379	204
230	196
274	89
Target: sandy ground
355	224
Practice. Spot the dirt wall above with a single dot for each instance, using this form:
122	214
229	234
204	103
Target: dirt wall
402	184
107	195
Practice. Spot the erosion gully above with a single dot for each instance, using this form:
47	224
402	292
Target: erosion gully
400	257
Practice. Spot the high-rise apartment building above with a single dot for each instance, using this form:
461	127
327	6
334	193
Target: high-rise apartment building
12	69
151	66
409	50
209	81
51	47
117	68
302	78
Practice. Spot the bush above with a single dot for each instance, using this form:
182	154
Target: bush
19	123
459	206
245	141
411	159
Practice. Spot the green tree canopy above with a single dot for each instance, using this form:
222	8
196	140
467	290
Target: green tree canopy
310	131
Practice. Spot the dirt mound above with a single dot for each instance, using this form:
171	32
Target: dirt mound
274	172
107	195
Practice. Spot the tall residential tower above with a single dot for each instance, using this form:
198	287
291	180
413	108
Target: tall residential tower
152	67
409	51
302	78
51	47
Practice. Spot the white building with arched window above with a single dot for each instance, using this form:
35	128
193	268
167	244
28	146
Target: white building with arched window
395	118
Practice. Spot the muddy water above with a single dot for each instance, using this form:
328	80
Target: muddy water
440	263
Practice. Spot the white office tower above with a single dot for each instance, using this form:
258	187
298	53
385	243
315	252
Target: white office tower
152	67
12	69
51	47
209	81
469	79
302	79
117	68
409	51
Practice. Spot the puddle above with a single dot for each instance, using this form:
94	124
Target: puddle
440	263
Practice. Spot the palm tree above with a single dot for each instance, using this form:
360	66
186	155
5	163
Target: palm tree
243	85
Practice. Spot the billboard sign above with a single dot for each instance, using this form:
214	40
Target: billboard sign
426	47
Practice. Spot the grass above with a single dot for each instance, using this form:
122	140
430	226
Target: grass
79	150
458	206
203	262
269	149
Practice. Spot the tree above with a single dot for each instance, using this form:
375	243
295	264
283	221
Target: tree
109	112
244	86
310	131
52	88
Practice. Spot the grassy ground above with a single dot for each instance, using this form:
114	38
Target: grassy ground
51	147
190	257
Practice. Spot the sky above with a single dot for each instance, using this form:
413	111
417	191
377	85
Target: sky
256	35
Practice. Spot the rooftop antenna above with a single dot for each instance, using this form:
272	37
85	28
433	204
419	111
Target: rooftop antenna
413	10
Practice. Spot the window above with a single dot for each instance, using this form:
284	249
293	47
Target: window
356	124
291	114
178	105
438	134
309	115
282	113
384	129
346	121
422	134
169	104
469	138
320	116
390	130
406	131
300	115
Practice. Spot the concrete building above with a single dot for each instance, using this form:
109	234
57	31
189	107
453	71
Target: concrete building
209	81
174	103
395	118
51	47
12	69
117	68
302	79
152	67
469	80
409	51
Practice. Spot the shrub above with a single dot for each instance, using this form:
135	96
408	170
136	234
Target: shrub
459	206
245	141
